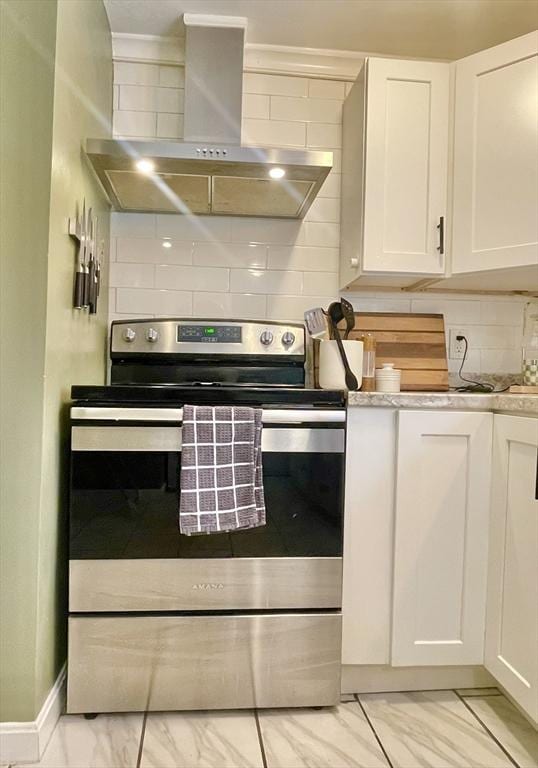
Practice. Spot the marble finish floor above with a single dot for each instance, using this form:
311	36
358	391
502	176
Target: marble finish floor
473	728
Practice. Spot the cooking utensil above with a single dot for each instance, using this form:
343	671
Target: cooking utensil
336	313
349	316
78	295
316	323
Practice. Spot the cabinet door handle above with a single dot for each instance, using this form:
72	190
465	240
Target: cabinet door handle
441	228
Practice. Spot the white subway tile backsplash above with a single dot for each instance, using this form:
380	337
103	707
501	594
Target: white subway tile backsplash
147	98
141	98
273	133
133	301
132	275
255	105
240	255
275	85
115	97
134	73
132	224
324	209
152	251
252	230
493	360
256	267
292	308
169	126
322	233
500	313
229	305
460	311
326	89
304	258
306	110
171	77
331	186
316	283
134	124
192	278
170	99
324	135
203	228
265	281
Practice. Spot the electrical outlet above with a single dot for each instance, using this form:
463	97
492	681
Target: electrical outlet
456	348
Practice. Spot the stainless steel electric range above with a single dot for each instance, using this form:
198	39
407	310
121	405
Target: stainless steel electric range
162	621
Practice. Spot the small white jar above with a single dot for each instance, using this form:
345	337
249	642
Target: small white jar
387	378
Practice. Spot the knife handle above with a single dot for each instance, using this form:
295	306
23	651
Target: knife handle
92	288
85	288
78	298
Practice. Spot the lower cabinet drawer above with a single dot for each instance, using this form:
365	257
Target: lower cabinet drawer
136	663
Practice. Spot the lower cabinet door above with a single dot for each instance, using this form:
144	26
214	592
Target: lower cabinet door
440	553
512	605
137	663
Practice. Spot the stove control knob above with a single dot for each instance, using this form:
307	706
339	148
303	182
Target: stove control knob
288	338
129	335
152	335
266	338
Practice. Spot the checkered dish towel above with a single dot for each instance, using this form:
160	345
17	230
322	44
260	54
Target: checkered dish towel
221	469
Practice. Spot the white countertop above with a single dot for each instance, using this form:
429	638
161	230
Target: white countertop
456	401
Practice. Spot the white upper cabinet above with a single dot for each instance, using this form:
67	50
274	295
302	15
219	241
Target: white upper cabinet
495	208
406	166
394	174
512	606
440	551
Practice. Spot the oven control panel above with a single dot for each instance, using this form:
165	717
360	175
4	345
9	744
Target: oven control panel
200	336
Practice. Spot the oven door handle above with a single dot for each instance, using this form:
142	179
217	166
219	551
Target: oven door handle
269	415
168	439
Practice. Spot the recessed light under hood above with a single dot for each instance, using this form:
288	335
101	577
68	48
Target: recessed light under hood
210	172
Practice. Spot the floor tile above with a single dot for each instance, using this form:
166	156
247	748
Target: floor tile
478	691
109	741
201	740
339	737
431	729
516	735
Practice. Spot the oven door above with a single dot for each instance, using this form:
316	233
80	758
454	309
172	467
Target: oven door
126	551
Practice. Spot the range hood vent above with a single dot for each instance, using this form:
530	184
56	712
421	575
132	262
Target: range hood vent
210	172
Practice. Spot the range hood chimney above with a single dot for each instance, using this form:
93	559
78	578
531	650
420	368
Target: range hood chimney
213	78
210	172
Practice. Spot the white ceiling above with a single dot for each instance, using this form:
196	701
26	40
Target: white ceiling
445	29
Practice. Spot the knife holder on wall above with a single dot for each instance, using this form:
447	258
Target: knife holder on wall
87	281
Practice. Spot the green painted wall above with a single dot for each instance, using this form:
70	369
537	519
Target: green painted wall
27	50
57	92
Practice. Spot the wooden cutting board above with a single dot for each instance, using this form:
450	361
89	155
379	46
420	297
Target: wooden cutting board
415	343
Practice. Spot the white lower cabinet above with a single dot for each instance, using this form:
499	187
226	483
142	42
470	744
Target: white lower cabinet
415	537
440	548
512	603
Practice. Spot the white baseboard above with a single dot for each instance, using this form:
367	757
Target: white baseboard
26	742
381	679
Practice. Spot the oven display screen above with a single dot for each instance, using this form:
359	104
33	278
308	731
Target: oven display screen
212	334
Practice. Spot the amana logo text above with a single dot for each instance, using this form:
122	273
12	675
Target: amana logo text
208	585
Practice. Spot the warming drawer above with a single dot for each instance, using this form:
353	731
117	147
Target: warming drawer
141	663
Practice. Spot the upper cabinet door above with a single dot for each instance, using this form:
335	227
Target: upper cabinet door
406	166
495	158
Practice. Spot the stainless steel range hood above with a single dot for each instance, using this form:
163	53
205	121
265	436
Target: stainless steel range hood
210	172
